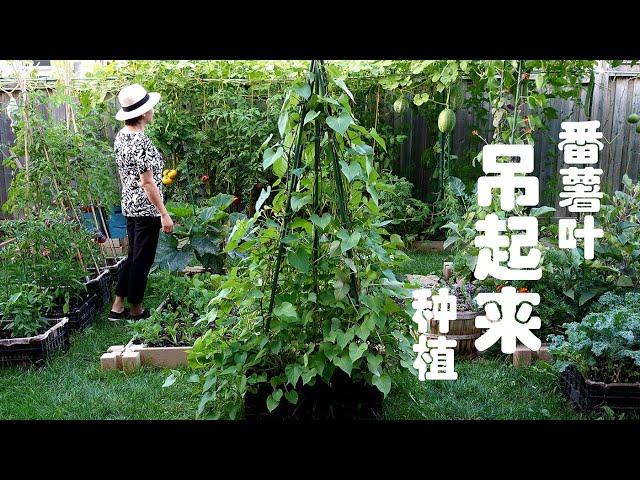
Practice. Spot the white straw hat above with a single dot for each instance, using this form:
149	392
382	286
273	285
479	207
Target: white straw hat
135	101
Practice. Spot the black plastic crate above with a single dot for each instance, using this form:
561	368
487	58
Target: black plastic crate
83	315
35	350
115	270
101	286
588	395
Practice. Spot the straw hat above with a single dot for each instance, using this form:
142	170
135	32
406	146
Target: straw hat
135	101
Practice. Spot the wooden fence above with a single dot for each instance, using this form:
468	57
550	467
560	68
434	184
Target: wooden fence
616	96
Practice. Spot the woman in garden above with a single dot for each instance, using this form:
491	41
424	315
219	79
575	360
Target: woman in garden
140	166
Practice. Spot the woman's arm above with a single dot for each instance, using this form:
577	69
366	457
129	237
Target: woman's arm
151	190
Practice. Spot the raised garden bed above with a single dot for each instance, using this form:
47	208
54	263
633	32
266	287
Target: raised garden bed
342	399
427	245
160	353
35	349
80	316
100	284
589	395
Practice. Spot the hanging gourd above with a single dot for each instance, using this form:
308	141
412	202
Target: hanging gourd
446	120
633	118
400	104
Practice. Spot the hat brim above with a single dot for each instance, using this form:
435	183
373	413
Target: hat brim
154	98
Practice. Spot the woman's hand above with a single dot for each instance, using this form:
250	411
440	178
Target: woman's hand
167	223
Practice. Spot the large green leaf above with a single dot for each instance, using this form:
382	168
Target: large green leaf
351	171
300	259
179	209
348	241
221	201
168	256
339	82
321	222
340	124
269	157
382	382
286	312
205	244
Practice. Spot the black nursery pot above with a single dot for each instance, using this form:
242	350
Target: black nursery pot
101	286
342	399
589	395
35	350
82	315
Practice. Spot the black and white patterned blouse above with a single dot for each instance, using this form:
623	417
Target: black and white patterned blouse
135	154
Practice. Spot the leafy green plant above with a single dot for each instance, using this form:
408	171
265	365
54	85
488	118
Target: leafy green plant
22	312
409	215
324	316
59	164
605	345
50	251
200	234
181	318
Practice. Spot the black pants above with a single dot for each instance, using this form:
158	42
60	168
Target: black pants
143	235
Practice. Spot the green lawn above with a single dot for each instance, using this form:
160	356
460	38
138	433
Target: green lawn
72	386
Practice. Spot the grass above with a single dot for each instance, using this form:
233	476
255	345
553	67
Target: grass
72	385
424	263
485	389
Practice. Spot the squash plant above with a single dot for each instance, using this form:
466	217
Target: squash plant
199	234
317	291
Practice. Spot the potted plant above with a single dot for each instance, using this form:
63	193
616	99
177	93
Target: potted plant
51	252
26	336
599	357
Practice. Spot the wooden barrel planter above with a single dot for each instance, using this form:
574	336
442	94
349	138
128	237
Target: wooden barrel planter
463	330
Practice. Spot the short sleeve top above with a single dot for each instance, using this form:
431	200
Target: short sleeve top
135	154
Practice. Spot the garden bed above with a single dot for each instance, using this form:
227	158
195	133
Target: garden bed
341	399
79	316
35	349
589	395
160	352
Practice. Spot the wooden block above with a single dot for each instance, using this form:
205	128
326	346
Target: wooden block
544	354
130	361
165	357
522	356
109	361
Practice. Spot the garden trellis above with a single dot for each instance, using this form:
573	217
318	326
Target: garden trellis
318	85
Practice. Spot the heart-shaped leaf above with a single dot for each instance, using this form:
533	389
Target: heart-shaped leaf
323	222
351	171
382	382
270	156
286	312
291	396
273	400
310	116
297	202
344	363
356	350
340	124
348	241
300	259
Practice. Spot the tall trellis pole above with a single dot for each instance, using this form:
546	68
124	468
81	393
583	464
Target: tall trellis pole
317	77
